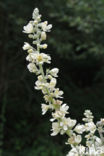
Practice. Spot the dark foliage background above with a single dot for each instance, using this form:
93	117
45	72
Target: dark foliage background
76	45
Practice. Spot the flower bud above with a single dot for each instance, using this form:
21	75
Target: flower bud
35	22
44	46
30	36
30	50
43	35
39	18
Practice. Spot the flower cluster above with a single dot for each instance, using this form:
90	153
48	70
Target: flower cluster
46	82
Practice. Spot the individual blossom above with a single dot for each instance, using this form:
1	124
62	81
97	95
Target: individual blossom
49	85
28	28
56	115
90	126
64	109
58	93
77	151
26	46
47	98
100	149
38	58
44	108
98	141
55	128
92	151
43	46
32	68
31	57
39	85
60	112
42	58
74	139
43	35
52	83
67	123
54	72
79	128
45	27
102	121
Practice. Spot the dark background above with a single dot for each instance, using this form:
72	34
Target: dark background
76	45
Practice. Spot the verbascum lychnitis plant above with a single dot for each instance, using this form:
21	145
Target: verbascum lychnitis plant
53	96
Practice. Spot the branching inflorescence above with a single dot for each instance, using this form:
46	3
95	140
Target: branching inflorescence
46	82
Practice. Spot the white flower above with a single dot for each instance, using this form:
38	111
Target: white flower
100	123
28	28
73	152
40	78
41	85
45	27
31	57
80	128
90	127
52	83
91	151
101	150
74	139
102	120
55	128
64	109
41	58
56	115
44	108
47	98
35	22
78	139
88	115
67	123
81	149
38	58
58	93
32	67
43	35
60	113
77	151
54	72
43	46
26	46
98	141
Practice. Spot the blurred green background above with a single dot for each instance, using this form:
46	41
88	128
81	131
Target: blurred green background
76	45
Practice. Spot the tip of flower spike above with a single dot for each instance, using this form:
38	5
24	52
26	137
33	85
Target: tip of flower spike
36	10
35	14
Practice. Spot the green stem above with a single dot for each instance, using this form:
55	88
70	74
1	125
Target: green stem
42	72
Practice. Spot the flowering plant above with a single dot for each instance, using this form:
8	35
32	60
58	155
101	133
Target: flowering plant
46	82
